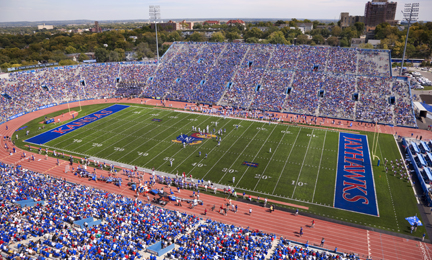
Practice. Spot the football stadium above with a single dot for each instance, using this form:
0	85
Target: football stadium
219	151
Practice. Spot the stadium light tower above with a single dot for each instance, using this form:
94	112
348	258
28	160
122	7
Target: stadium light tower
154	14
410	14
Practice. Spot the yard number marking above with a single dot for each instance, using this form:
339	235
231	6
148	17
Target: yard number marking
97	145
228	170
118	149
198	164
142	154
77	140
299	183
261	176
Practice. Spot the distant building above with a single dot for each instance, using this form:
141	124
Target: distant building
96	28
235	22
262	29
380	11
356	42
173	26
186	25
349	20
47	27
212	22
307	27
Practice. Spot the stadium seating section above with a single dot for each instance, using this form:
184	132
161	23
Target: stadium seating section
81	222
319	81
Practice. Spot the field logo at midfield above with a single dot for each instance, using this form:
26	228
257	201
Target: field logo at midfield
355	188
195	138
71	126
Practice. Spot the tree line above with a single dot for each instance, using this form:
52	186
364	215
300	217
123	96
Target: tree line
21	49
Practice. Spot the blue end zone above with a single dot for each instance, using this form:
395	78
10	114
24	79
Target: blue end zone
355	187
69	127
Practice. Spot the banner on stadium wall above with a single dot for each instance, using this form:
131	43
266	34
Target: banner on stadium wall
17	115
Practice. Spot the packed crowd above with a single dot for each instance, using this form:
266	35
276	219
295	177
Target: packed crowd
128	225
287	250
215	240
318	81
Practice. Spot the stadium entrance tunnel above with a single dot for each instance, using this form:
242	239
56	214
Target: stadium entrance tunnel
355	96
150	79
229	85
83	83
249	63
320	93
315	68
258	87
118	80
178	80
44	87
392	100
288	90
202	82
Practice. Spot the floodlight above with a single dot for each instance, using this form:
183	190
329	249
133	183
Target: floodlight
410	14
154	14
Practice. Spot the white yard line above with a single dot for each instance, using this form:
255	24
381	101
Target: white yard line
319	166
228	150
271	158
298	177
255	154
292	148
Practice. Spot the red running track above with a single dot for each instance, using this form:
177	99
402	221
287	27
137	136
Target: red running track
346	238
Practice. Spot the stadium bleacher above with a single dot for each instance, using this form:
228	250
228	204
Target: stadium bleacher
82	222
317	81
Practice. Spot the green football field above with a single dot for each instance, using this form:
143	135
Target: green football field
300	168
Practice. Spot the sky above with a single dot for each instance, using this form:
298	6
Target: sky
46	10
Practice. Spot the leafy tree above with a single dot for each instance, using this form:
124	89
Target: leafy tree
252	40
174	36
302	39
279	22
333	41
325	33
121	53
197	37
101	54
70	50
318	39
232	36
423	50
67	62
82	57
58	55
359	27
277	38
114	56
253	33
336	31
217	37
344	42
